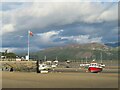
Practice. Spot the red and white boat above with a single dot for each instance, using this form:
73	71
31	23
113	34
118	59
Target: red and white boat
95	67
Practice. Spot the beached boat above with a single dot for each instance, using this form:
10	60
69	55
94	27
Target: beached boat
95	67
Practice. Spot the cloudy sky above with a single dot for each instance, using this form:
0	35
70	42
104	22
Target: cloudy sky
57	24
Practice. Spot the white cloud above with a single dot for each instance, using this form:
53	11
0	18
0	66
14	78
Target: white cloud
59	0
14	49
48	37
83	39
9	49
8	28
110	14
41	16
44	14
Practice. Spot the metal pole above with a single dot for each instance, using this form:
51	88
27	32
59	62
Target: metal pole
28	46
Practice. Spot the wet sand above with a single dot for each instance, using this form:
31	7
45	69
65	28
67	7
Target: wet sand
59	80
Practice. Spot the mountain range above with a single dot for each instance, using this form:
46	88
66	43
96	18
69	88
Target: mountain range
113	44
88	51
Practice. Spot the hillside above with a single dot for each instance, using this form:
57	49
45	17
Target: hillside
79	52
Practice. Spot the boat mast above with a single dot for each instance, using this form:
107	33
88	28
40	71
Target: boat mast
44	58
56	59
86	59
101	56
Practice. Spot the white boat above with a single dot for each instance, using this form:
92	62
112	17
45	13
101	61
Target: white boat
95	67
102	65
44	67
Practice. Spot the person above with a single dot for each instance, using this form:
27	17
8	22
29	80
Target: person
11	69
37	66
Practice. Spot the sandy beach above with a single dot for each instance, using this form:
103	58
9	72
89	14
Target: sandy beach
59	80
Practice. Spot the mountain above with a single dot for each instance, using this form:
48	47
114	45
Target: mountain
78	52
113	44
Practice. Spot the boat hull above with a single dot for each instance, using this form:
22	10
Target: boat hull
94	69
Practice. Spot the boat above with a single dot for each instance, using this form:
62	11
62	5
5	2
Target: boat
102	65
44	67
95	67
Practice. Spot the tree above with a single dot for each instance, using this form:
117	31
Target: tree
11	55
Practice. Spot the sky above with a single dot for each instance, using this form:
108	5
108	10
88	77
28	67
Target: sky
57	24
